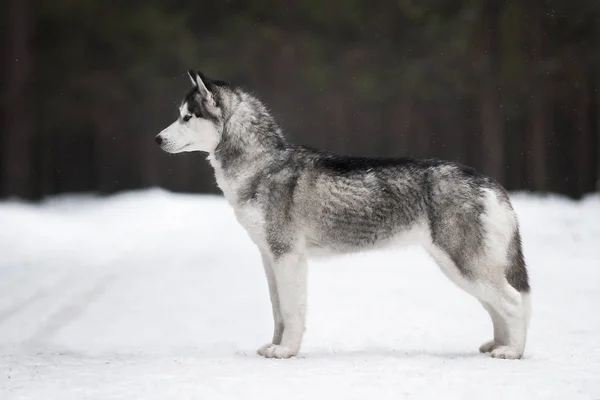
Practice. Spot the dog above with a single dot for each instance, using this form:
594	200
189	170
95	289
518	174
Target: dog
296	202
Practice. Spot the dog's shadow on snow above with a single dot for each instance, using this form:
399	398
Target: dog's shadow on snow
387	353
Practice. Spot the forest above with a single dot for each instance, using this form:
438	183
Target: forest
508	87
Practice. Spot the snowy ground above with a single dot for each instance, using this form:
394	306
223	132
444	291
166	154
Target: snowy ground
153	295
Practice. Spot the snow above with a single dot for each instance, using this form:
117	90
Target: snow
154	295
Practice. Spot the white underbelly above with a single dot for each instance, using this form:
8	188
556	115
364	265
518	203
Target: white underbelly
417	234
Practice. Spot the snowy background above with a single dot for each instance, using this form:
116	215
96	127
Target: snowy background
155	295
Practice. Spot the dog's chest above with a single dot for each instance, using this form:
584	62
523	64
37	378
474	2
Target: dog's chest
252	219
248	214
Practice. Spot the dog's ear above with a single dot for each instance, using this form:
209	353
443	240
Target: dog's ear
193	74
201	82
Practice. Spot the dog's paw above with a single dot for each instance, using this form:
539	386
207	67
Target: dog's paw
276	351
506	352
262	350
488	346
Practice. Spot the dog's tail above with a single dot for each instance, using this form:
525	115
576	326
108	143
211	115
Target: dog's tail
516	273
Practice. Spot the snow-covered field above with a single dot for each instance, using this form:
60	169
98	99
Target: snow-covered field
153	295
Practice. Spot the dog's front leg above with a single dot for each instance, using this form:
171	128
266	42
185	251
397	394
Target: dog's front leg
277	320
290	273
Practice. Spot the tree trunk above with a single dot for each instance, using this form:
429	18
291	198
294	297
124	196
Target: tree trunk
538	126
585	144
597	126
491	114
17	146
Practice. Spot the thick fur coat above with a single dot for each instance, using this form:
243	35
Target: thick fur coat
296	202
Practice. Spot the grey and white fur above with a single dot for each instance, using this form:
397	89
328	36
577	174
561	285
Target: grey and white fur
296	202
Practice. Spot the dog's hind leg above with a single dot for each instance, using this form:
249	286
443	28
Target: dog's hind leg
277	320
513	308
507	307
499	330
290	273
504	289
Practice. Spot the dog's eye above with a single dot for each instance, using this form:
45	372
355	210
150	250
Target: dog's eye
187	118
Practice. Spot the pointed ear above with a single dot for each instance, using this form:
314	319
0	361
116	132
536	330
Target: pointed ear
193	75
203	83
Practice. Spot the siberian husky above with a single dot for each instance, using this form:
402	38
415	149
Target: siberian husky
296	202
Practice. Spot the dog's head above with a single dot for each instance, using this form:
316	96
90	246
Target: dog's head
200	122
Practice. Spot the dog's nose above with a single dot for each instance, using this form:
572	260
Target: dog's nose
158	139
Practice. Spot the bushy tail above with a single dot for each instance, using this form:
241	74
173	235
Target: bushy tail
516	273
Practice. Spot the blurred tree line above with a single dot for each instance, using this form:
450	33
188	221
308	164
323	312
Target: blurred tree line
509	87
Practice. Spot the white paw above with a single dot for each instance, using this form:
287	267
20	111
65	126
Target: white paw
506	352
276	351
262	350
488	346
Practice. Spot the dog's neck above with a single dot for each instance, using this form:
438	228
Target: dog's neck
250	143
